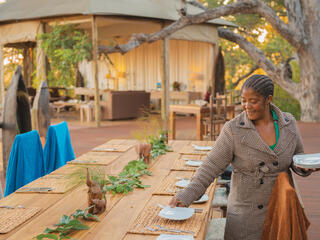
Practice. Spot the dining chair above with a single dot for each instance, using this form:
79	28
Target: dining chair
26	161
217	116
58	148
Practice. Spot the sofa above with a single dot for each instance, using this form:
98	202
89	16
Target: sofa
124	104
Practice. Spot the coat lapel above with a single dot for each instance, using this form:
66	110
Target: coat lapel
251	137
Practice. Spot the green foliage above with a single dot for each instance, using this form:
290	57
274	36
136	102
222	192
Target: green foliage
128	179
286	103
277	49
65	47
283	100
158	145
67	225
14	58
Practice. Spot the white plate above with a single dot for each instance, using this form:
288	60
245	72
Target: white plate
202	148
194	163
174	237
183	183
307	160
176	213
203	199
188	159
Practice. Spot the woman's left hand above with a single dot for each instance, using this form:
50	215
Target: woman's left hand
309	170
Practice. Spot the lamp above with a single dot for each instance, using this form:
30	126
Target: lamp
119	75
108	76
194	77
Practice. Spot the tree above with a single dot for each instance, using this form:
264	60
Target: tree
302	32
65	47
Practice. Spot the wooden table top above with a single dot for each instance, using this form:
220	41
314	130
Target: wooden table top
122	210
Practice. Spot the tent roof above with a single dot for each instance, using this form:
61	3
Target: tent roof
15	10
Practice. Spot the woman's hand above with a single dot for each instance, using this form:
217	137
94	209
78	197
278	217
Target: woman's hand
176	203
308	170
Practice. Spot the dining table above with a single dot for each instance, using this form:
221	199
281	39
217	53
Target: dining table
199	111
126	215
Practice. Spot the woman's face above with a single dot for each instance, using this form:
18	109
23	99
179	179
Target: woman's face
255	105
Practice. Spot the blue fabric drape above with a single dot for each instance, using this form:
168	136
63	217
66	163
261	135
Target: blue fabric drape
26	161
58	149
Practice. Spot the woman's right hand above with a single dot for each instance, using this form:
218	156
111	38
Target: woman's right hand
175	202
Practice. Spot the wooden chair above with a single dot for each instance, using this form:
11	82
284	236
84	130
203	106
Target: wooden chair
213	124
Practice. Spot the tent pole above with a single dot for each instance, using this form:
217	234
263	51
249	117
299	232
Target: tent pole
214	46
1	76
41	58
165	81
2	100
95	69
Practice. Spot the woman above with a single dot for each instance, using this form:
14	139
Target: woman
259	144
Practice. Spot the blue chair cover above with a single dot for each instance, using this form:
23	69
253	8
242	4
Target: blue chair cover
58	149
25	162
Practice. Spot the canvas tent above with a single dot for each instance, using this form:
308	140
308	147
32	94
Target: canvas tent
190	51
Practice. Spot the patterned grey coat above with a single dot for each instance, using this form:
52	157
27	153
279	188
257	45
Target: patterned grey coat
255	169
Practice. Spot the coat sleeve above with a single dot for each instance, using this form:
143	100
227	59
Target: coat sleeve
299	150
299	147
215	163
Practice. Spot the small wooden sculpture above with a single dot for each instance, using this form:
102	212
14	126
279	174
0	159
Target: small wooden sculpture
95	196
143	150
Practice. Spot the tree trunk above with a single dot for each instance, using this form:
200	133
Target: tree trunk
309	62
308	96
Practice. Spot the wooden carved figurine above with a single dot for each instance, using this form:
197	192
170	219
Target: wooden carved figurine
95	196
143	150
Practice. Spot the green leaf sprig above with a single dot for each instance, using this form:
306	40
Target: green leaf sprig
68	224
159	146
128	179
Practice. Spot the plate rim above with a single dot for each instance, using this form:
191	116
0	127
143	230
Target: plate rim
203	201
194	165
183	180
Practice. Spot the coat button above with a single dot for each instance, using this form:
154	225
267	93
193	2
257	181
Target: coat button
261	181
261	164
241	123
275	163
260	206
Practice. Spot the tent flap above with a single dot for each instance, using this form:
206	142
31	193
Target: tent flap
200	33
19	32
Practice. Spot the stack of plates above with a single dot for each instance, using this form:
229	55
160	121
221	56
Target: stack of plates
307	160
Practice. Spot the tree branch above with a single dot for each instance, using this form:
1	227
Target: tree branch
245	76
138	39
295	38
261	60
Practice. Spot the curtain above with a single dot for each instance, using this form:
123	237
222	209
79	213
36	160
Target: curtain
141	69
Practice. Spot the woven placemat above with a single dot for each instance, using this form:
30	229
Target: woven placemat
52	184
94	158
180	164
149	217
112	148
12	218
168	187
